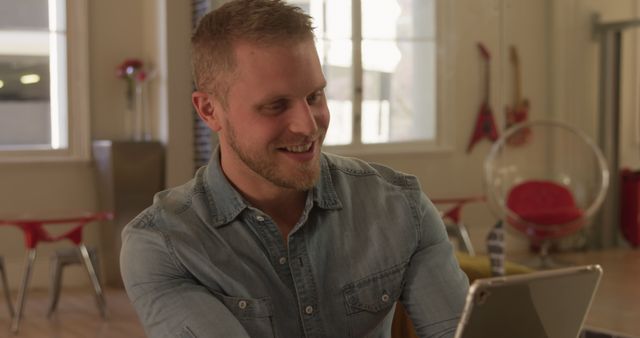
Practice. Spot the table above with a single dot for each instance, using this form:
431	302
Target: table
616	306
34	232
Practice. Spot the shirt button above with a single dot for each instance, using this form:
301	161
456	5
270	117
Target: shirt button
308	310
242	304
260	218
282	260
385	297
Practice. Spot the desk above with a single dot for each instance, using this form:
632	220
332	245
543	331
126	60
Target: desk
34	231
616	306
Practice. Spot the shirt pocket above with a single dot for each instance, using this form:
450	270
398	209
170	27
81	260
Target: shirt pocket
369	300
254	314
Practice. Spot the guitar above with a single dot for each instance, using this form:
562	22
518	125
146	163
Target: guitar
520	110
485	126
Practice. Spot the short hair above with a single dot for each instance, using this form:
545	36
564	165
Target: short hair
265	22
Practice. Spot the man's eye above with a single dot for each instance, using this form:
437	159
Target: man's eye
315	97
277	106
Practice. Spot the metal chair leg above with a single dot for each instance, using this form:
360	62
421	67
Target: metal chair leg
466	240
461	234
22	293
56	276
5	286
102	305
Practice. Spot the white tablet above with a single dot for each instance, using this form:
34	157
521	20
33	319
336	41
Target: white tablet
551	303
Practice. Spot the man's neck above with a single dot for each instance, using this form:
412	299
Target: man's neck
283	205
284	208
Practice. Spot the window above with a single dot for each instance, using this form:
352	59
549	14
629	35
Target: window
42	45
379	57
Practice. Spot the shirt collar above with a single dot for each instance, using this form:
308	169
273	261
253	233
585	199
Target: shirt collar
226	203
324	192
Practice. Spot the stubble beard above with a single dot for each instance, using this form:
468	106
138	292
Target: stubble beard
303	178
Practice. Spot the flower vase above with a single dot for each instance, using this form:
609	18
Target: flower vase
143	111
138	119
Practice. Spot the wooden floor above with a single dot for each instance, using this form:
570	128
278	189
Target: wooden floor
76	317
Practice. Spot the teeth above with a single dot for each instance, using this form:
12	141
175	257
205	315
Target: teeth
299	149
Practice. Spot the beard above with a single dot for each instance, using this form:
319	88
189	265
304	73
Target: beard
302	177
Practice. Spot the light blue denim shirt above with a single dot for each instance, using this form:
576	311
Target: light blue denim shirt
202	262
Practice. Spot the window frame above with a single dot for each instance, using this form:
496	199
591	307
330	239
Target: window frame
77	52
443	142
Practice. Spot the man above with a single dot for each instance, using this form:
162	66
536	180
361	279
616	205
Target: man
273	238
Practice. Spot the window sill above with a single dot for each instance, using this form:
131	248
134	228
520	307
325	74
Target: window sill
43	156
390	149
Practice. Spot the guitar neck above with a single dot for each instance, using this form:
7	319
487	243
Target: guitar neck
484	52
487	81
515	61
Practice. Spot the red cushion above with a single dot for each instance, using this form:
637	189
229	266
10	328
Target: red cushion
543	203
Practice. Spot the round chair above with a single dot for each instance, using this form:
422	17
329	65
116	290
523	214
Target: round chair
548	183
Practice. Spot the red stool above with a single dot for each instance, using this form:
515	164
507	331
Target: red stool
451	218
34	232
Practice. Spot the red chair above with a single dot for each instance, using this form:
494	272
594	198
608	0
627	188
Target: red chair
34	232
547	187
451	216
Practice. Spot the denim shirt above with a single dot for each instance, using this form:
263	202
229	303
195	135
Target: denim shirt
202	262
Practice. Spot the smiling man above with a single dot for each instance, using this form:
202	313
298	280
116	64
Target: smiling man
274	238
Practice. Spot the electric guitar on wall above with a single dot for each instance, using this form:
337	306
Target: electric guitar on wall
485	126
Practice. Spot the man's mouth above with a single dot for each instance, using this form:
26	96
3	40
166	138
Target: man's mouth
303	148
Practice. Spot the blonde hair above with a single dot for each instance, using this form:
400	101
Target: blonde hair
264	22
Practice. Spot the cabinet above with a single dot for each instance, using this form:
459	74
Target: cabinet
128	174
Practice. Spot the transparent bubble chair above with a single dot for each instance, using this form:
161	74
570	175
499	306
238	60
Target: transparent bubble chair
545	179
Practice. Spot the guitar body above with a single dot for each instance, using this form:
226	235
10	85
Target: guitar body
517	115
485	126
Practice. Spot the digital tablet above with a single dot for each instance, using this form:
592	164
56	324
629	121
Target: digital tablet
551	303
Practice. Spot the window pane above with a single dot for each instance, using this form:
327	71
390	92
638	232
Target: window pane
399	63
399	105
33	82
24	15
336	57
398	19
24	107
332	22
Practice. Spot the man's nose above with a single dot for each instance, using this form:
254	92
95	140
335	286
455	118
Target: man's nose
303	120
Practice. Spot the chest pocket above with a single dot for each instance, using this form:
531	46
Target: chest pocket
255	315
369	300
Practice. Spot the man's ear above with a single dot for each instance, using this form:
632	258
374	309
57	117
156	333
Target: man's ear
205	106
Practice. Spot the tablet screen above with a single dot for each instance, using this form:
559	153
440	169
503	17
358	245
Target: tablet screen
550	303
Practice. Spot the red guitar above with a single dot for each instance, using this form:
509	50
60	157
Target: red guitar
520	109
485	124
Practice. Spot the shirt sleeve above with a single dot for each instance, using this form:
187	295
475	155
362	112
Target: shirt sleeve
435	286
169	302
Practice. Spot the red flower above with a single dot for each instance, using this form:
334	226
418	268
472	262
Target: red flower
128	68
